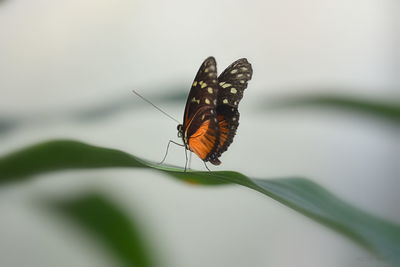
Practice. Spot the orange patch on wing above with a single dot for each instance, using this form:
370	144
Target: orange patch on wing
223	129
202	141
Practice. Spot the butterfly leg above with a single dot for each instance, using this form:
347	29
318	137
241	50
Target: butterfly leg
190	159
166	152
186	162
206	166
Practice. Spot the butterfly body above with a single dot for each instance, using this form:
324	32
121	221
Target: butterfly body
211	115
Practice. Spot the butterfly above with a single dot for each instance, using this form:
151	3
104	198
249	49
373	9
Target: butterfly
211	115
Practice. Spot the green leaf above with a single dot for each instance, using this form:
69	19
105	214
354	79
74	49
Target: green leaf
308	198
64	154
109	226
389	111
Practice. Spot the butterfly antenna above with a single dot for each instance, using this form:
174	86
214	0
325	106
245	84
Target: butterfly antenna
148	101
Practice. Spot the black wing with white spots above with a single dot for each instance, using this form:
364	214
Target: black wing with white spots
231	85
233	81
200	125
204	91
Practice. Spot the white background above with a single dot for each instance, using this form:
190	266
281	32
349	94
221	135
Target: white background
58	56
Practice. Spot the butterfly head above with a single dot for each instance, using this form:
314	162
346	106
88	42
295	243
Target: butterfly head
181	135
180	130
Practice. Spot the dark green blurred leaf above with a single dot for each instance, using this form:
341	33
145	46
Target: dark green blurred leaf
63	155
389	111
7	125
109	226
308	198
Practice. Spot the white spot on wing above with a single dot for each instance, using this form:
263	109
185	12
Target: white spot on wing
194	83
233	90
196	100
225	101
226	85
234	71
207	101
210	90
203	85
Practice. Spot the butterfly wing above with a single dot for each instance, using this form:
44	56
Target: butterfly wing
205	139
200	125
231	85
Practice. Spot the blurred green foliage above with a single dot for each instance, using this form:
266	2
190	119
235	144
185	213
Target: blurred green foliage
386	110
382	110
8	125
105	222
302	195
